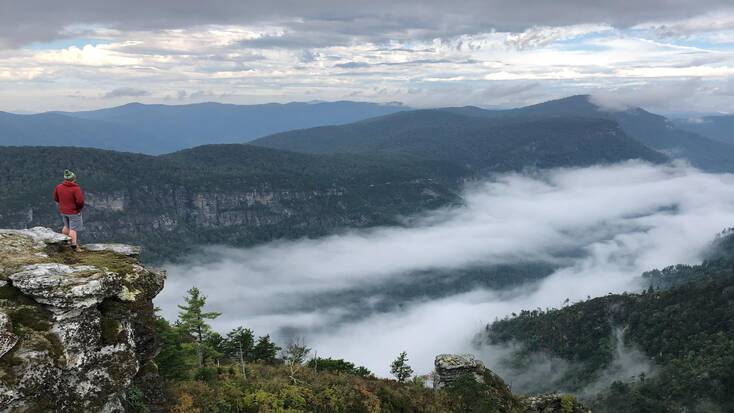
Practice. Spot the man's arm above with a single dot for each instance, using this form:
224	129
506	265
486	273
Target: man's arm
79	198
56	195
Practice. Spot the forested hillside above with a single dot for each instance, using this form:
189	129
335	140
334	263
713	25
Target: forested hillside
652	130
542	134
683	323
231	194
477	143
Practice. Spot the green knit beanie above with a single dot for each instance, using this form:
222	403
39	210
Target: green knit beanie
68	175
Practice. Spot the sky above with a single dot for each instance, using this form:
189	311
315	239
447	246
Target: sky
366	295
665	55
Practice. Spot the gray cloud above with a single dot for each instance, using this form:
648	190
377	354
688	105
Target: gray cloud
42	20
126	92
362	294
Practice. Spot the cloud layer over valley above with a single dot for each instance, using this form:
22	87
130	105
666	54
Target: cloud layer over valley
429	286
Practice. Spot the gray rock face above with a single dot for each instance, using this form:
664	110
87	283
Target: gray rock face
73	336
39	235
122	249
7	338
64	287
449	367
233	215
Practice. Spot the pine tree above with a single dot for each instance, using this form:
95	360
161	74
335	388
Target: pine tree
400	368
265	350
192	320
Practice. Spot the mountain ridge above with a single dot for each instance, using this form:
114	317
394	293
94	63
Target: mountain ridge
651	130
482	144
156	129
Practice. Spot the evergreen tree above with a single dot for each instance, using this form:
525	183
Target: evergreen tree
174	361
239	346
214	347
192	320
265	350
400	368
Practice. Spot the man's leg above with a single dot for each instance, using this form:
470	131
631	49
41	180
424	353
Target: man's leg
72	235
65	231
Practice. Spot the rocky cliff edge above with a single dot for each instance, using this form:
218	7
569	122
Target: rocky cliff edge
76	328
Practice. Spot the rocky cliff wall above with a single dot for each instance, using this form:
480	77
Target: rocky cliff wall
76	328
160	215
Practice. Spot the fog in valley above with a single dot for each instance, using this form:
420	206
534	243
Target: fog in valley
431	285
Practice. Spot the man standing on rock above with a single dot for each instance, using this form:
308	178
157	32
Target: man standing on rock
70	199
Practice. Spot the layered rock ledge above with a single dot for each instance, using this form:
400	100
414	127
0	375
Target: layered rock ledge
76	328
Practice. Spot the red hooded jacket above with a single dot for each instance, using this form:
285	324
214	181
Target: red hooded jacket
70	198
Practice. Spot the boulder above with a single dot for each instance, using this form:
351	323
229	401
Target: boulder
449	367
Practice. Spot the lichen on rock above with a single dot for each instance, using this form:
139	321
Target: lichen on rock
75	328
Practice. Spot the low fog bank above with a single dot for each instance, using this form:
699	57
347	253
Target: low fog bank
365	296
540	372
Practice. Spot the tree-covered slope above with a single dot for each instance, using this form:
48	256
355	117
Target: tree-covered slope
652	130
232	194
476	143
685	328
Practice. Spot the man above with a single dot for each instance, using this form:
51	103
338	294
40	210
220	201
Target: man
70	199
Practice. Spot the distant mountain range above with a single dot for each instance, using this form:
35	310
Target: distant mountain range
305	182
719	127
157	129
484	137
475	137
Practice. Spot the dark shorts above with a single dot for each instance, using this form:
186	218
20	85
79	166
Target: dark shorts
73	222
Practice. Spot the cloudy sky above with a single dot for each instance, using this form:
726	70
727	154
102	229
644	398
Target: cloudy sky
666	55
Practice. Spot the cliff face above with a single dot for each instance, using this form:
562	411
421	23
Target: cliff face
150	215
76	329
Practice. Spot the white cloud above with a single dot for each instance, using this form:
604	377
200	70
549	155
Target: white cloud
243	64
539	36
603	226
88	55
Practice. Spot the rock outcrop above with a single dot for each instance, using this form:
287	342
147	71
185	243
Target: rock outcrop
452	371
450	367
76	328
